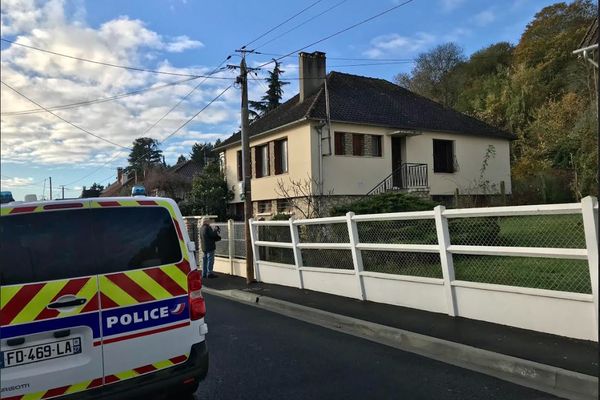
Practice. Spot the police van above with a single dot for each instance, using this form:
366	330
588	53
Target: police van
99	298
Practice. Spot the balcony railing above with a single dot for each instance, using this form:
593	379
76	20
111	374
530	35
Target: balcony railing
409	176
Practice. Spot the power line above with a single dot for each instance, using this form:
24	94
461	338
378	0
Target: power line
61	118
99	100
217	68
341	31
299	25
109	64
181	126
374	60
282	23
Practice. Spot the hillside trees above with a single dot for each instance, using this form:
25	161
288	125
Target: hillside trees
538	90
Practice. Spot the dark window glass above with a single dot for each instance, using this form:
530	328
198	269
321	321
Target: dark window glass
376	150
443	156
281	156
65	244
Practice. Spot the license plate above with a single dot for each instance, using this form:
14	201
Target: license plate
40	352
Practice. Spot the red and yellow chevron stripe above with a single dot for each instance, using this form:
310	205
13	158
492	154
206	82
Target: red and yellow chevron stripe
27	303
64	390
142	285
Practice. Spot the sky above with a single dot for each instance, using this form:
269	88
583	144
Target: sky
187	37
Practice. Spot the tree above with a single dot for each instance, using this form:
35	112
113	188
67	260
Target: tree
97	187
300	195
144	154
181	159
210	193
272	97
202	153
430	76
166	183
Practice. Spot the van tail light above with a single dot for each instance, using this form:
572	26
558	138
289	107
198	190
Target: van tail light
197	305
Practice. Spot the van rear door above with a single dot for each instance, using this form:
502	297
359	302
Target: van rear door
143	286
49	302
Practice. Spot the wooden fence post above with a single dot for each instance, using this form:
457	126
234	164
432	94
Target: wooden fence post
356	254
443	236
297	252
589	211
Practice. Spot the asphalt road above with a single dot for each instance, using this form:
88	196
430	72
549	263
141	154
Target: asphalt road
257	354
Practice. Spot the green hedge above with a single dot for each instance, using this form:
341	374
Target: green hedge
384	203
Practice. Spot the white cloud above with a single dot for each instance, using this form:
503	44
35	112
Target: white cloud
182	43
484	18
10	183
42	139
397	45
449	5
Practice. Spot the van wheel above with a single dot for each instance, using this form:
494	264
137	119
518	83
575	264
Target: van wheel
187	392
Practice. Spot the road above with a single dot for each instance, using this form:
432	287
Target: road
257	354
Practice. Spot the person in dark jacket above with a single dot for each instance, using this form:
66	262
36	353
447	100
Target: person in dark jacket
208	239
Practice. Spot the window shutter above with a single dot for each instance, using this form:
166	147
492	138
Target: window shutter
258	161
357	144
339	143
278	157
240	170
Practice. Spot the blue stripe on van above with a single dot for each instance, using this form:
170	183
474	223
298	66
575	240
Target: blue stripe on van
91	320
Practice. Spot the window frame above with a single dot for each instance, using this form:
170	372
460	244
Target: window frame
268	210
260	163
358	144
278	146
448	154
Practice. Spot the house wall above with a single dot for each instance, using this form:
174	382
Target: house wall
299	165
356	175
469	152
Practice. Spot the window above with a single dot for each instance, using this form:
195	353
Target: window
264	206
283	205
261	160
443	156
240	166
66	244
358	144
376	146
281	156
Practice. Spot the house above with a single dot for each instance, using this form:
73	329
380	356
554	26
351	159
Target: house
174	182
350	136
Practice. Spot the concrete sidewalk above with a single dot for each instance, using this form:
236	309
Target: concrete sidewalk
558	365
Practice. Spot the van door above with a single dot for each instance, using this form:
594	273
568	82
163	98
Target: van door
49	303
143	287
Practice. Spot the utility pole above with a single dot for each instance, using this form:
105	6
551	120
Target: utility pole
50	179
246	167
63	191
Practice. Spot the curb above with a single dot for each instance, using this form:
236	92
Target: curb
546	378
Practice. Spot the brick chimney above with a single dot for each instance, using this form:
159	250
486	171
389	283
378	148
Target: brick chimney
119	174
312	72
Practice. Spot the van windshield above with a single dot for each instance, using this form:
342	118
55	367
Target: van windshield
65	244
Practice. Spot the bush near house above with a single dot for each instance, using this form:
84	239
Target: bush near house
384	203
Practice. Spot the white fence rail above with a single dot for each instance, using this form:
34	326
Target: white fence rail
533	267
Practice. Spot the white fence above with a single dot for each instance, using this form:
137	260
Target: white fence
532	267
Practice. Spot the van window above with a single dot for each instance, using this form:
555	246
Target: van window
64	244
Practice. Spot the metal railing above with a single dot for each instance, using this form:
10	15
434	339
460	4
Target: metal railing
408	176
232	243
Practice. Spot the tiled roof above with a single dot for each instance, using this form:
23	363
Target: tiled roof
187	169
371	101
